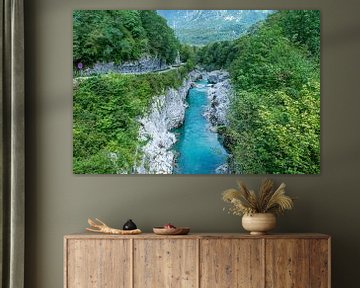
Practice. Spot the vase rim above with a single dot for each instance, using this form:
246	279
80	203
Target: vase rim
267	213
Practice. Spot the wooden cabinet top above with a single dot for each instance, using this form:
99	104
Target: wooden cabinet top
199	236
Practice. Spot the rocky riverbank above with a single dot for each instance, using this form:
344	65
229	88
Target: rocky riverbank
166	113
219	95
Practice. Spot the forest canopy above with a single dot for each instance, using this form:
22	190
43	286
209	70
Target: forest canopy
121	35
274	115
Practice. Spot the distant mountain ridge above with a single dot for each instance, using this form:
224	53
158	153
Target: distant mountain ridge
200	27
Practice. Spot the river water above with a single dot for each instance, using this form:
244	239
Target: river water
199	150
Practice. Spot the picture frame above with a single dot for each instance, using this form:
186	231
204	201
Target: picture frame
137	74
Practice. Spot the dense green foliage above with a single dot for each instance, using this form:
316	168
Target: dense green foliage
217	55
121	35
105	109
274	118
303	27
188	54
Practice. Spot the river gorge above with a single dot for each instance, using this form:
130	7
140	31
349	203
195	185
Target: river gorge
180	128
198	148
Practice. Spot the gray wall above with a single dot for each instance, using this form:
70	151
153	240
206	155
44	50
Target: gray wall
59	202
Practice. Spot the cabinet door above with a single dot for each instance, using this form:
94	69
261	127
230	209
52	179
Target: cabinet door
165	263
287	263
320	263
98	263
231	263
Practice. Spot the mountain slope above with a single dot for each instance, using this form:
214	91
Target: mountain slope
199	27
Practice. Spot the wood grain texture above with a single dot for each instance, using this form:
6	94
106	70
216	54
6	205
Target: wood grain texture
231	263
66	262
88	235
287	263
98	264
319	263
197	260
166	263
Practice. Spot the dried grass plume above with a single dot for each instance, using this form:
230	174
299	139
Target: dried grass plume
267	200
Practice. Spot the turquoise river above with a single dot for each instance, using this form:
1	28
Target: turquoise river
198	148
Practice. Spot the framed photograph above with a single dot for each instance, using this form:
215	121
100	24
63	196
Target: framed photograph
196	92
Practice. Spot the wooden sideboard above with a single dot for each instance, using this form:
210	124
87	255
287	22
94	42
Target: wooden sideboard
197	260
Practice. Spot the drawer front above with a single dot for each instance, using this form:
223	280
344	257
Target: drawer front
165	263
231	263
98	263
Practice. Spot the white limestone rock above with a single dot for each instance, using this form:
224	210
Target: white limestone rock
217	76
222	169
219	95
166	113
143	65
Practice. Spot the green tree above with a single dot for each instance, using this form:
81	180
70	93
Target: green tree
161	37
303	27
121	35
274	116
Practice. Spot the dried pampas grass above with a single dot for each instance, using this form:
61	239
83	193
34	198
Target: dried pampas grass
245	201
